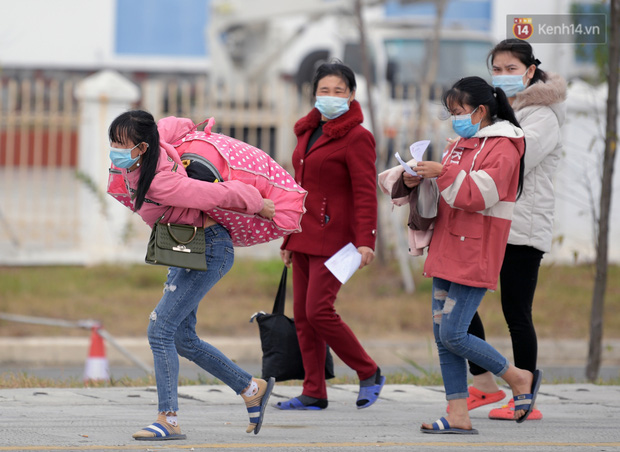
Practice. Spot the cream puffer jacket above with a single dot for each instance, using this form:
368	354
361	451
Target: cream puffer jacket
540	110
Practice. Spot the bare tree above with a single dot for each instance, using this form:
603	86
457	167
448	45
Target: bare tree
602	245
367	72
431	71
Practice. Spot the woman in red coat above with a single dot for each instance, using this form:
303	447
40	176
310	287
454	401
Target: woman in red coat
334	160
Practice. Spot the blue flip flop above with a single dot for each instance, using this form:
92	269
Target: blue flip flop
295	404
370	394
526	401
257	413
441	426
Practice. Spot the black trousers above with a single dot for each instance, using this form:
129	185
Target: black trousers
518	278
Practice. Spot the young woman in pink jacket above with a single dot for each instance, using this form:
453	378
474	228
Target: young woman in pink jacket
160	187
478	180
538	99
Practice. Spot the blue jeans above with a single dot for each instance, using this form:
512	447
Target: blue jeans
172	329
454	305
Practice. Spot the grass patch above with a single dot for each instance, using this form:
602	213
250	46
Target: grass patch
10	380
372	303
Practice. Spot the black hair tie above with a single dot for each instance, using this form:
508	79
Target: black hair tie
537	62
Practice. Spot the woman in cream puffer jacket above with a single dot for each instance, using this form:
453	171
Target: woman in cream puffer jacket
540	110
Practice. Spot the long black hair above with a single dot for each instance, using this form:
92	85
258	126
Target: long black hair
138	126
337	68
474	91
522	50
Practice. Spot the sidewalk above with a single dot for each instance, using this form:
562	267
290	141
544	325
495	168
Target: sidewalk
581	417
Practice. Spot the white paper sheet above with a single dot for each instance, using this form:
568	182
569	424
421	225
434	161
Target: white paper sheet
344	263
417	150
404	165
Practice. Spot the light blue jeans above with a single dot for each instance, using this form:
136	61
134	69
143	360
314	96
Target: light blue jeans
454	305
172	327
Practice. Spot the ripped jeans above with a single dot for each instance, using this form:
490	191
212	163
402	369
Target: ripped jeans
172	327
454	305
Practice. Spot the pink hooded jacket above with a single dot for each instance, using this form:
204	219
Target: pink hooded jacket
478	187
188	197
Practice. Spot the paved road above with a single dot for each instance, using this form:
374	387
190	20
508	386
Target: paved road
577	417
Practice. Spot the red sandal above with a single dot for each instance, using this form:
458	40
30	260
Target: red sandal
478	398
507	413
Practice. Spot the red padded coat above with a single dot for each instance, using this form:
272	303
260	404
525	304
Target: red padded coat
340	176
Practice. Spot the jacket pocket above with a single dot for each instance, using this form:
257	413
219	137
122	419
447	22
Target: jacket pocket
466	224
466	236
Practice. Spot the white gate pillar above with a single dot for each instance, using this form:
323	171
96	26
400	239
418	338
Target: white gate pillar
102	96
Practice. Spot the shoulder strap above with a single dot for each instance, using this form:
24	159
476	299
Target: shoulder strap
278	304
163	215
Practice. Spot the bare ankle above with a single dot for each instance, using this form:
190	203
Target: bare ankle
485	382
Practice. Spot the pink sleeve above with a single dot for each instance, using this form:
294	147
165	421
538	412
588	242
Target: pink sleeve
171	188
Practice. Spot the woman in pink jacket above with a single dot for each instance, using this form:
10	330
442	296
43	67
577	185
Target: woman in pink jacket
159	187
478	180
538	99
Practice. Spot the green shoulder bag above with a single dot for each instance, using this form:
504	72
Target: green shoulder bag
177	245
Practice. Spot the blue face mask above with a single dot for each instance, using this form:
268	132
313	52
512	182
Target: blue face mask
331	107
510	84
463	127
122	157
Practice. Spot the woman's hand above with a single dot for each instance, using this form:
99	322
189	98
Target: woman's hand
269	209
428	169
411	181
285	255
367	255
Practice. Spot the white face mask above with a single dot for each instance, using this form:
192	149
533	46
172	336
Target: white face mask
331	107
122	157
462	125
510	84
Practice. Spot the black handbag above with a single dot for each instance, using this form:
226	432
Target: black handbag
281	353
177	245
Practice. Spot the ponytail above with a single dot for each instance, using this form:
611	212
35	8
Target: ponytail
504	110
139	126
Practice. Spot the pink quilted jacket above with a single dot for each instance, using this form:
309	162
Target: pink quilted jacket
188	197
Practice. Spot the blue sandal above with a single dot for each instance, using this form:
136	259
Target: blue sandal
160	430
369	394
526	401
257	404
296	404
441	426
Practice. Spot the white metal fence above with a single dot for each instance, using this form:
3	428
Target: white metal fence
53	157
52	200
38	157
